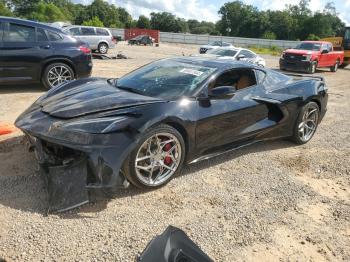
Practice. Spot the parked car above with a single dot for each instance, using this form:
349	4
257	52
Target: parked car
99	39
234	53
34	52
310	55
141	40
213	45
142	127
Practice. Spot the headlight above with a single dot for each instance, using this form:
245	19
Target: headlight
95	126
307	57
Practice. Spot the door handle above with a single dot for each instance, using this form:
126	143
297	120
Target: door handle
45	46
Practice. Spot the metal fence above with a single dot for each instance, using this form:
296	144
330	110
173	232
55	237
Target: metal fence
205	39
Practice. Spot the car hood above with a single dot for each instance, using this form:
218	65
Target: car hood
89	96
300	52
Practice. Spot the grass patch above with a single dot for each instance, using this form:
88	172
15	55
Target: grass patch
273	50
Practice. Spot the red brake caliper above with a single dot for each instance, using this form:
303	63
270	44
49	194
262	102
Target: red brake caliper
167	159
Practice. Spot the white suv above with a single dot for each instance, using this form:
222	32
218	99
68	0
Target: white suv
98	38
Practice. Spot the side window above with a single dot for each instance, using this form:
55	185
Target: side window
54	37
247	54
87	31
237	78
21	33
260	76
41	35
101	31
75	31
329	47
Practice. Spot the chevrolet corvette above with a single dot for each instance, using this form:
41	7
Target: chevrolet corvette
140	129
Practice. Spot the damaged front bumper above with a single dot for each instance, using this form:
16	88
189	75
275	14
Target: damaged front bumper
71	174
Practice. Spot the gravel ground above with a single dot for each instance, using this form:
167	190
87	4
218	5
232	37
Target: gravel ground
269	202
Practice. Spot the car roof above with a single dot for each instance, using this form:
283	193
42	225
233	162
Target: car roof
29	23
221	64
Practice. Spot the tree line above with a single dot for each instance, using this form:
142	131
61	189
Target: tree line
294	22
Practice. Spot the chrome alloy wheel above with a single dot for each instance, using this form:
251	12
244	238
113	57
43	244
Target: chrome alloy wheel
308	125
158	159
59	75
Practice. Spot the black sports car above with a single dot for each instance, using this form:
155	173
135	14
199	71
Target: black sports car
140	129
141	40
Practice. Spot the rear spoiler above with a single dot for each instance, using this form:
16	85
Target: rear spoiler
321	78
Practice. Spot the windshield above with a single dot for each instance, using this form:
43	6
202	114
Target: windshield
215	43
167	79
223	52
309	46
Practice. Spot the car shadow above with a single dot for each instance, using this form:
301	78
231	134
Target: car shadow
23	188
22	88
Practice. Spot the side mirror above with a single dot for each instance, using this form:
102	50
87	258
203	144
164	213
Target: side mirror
222	92
324	51
239	57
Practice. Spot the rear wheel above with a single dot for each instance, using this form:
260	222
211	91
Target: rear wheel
103	48
156	159
335	67
306	124
56	74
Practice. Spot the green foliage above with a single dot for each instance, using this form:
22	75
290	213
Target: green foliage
273	50
269	35
95	21
4	10
47	13
295	22
313	37
143	22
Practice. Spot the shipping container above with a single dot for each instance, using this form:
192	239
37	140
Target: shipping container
133	32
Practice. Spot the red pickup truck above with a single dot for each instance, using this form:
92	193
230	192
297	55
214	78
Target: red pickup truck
310	55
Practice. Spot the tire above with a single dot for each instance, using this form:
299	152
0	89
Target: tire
56	74
313	67
335	67
103	48
154	158
309	128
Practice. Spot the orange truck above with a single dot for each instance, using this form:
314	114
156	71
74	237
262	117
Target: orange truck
342	43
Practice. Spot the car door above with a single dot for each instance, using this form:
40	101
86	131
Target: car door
22	54
226	121
325	58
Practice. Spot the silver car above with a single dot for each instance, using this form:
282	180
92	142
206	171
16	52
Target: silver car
98	38
237	53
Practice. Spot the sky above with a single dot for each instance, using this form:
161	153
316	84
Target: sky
207	10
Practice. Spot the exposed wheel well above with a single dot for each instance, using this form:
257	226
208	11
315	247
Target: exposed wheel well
102	42
317	102
181	130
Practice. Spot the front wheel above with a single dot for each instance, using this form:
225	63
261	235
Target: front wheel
306	123
335	67
313	67
156	159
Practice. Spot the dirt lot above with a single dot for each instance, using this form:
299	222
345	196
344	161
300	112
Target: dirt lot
271	201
